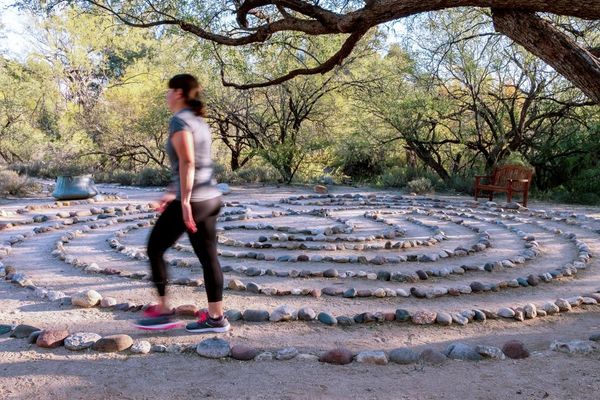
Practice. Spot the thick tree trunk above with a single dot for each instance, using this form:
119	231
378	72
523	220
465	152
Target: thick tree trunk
558	50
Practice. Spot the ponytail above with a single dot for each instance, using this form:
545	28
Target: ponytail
191	92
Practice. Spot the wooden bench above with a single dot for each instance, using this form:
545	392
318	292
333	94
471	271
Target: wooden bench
509	179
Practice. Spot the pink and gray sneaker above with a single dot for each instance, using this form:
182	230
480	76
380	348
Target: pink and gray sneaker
154	320
206	324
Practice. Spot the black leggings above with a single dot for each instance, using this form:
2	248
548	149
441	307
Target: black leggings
169	227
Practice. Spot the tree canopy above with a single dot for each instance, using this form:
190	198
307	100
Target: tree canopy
531	23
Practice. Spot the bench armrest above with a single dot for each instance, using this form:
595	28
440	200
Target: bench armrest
519	180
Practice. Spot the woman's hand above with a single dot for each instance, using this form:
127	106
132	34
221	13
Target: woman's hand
188	217
165	201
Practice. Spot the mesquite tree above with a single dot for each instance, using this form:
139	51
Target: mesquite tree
264	21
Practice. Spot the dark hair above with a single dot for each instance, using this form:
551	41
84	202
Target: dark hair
191	92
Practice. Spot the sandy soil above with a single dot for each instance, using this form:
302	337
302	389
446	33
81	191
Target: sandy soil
27	371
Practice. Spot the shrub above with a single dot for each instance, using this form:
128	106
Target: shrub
153	177
255	174
420	186
13	184
392	177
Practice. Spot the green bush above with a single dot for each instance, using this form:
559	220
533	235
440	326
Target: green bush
153	177
13	184
420	186
255	174
392	177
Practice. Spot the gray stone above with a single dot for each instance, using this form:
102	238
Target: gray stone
530	311
286	354
33	337
306	314
563	305
595	337
108	302
81	340
213	348
575	346
402	315
404	356
430	356
550	308
506	312
253	287
233	315
158	348
141	347
331	273
283	313
264	356
256	315
345	321
4	329
236	285
327	318
372	357
460	319
490	352
462	351
443	318
23	331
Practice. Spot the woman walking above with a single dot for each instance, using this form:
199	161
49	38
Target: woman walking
191	204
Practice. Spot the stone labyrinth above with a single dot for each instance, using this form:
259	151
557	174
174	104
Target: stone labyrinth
307	276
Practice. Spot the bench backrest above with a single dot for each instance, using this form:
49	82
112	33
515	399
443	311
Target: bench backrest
501	175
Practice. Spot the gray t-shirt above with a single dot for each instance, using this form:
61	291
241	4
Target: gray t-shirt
203	188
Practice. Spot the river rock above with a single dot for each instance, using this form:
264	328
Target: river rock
424	317
243	353
550	308
575	346
51	338
340	356
286	354
404	356
256	315
113	343
283	313
86	298
402	315
530	311
443	318
108	302
430	356
490	352
563	305
213	348
326	318
506	312
23	331
4	329
236	285
462	351
306	314
141	347
515	349
81	340
372	357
